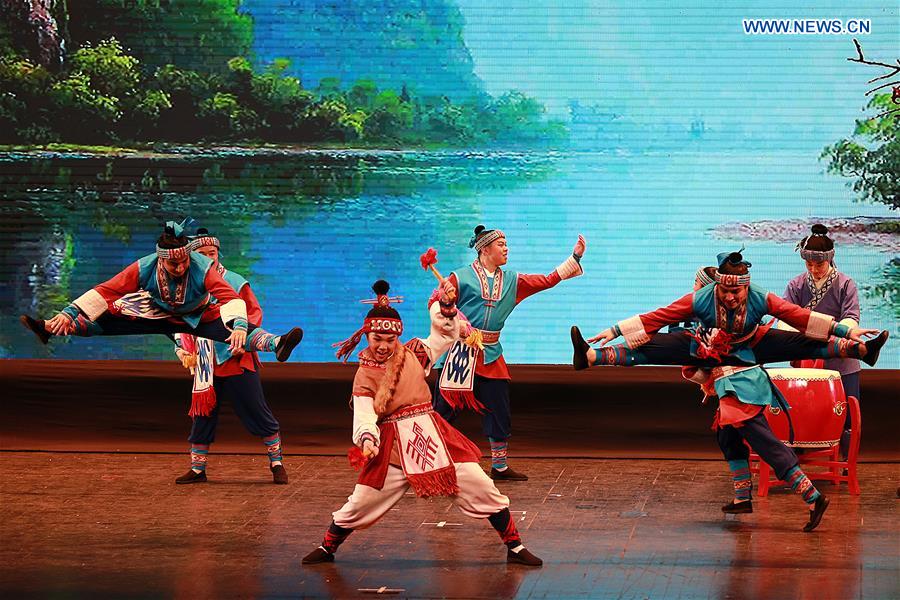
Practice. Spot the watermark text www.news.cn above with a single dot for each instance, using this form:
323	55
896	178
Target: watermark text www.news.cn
807	26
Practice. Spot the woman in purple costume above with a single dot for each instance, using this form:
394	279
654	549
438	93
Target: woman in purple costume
824	289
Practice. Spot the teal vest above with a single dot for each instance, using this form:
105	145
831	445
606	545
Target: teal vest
707	313
752	386
485	313
196	297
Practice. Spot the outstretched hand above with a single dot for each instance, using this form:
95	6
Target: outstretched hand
580	246
857	334
236	342
604	337
61	324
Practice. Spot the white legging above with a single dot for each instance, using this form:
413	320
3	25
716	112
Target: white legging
478	497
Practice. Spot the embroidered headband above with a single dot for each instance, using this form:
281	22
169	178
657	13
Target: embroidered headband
204	238
484	238
177	230
730	280
702	278
734	259
381	319
818	231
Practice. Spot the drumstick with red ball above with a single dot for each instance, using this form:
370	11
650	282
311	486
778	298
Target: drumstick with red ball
428	260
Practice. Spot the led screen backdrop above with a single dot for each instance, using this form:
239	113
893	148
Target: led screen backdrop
329	144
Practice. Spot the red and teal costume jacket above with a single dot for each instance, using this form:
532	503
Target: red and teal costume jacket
227	365
145	289
723	332
487	300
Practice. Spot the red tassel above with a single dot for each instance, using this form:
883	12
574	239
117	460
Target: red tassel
460	399
203	403
356	458
441	482
716	348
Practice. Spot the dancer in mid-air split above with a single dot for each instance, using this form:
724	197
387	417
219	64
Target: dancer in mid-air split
728	312
220	374
171	291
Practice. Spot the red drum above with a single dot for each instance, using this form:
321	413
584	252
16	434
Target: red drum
817	401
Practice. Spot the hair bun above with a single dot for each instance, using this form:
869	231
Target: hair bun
170	230
735	258
479	229
381	287
819	229
203	231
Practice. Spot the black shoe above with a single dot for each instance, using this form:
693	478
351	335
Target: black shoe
815	515
287	343
873	348
738	508
192	476
507	474
37	328
279	475
319	555
580	348
523	557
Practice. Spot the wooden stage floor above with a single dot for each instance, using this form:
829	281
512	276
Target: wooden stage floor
116	526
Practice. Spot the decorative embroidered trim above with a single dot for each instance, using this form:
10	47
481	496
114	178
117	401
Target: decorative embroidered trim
732	279
737	324
818	293
205	240
487	239
366	360
383	325
785	374
489	338
720	372
817	255
632	329
162	282
569	268
821	444
818	327
494	294
407	412
702	279
92	304
174	253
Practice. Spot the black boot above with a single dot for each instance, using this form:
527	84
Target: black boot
507	474
579	349
815	515
192	476
279	475
523	557
873	349
37	328
738	508
319	555
287	343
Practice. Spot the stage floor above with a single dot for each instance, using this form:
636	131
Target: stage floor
116	525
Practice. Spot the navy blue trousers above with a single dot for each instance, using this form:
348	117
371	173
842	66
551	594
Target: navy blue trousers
774	346
245	393
760	437
108	324
496	422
